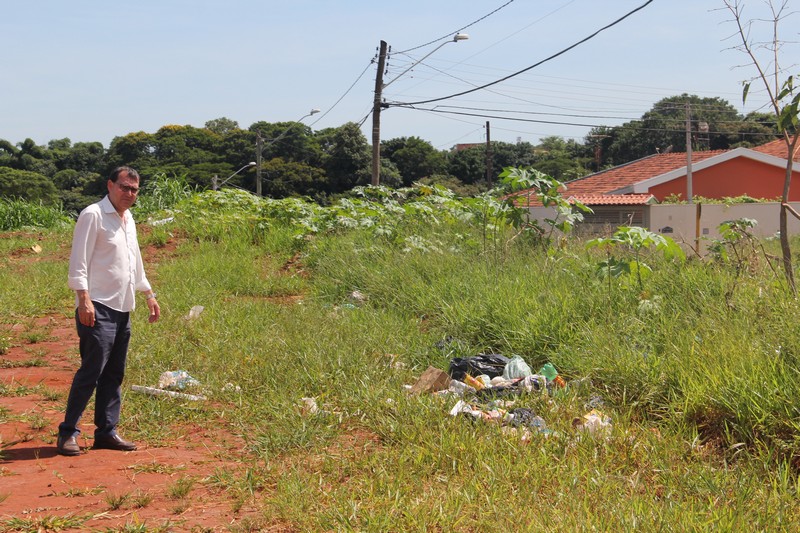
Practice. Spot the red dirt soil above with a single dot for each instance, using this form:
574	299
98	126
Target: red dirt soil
37	483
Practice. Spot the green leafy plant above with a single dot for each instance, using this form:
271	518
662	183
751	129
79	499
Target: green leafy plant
637	240
547	191
739	247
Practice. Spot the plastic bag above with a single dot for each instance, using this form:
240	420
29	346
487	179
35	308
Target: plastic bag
177	379
517	368
491	364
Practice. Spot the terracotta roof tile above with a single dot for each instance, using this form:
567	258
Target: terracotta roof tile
776	148
600	184
626	175
612	199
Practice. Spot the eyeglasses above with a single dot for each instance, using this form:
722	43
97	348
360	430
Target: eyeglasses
128	189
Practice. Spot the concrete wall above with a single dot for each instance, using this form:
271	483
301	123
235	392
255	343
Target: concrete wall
681	219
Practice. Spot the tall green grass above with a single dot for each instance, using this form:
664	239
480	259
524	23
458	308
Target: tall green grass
17	214
699	380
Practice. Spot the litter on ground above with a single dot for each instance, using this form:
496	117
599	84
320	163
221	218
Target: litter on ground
488	387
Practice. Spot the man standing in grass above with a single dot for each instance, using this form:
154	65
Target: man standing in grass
105	270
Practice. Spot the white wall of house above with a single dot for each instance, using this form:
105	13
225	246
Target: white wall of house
682	220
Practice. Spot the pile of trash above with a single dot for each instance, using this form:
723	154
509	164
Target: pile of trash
487	385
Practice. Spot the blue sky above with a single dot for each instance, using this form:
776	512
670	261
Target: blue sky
91	70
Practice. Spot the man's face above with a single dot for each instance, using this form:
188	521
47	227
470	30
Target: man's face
123	193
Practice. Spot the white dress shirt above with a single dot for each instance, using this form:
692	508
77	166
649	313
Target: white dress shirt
105	258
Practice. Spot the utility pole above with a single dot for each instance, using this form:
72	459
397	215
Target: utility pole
259	149
688	153
488	154
376	116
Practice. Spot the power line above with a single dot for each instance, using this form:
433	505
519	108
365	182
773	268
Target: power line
537	121
345	94
565	50
533	112
458	30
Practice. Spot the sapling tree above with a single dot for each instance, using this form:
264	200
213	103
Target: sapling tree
636	240
738	246
530	183
783	95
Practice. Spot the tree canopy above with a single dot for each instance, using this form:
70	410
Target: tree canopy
297	160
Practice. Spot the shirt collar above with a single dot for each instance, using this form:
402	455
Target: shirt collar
108	207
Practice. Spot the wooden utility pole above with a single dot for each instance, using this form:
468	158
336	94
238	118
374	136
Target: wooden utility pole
376	117
688	153
488	154
259	149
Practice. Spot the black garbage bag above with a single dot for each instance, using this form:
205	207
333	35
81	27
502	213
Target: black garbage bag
491	364
498	391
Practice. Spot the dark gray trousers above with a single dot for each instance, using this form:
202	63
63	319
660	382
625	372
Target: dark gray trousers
104	349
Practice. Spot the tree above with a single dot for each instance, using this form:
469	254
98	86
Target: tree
715	125
222	125
84	157
290	178
560	159
8	153
134	149
291	141
414	158
346	157
185	145
469	165
784	99
27	185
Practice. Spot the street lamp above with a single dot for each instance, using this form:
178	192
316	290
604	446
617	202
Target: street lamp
376	105
457	37
260	148
216	186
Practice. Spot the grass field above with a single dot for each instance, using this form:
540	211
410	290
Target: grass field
696	369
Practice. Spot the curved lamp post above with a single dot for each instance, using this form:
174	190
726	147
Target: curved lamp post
376	105
457	37
216	186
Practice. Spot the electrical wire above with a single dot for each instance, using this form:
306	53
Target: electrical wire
537	121
458	30
345	94
533	112
565	50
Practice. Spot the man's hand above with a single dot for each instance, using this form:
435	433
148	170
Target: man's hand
85	309
155	310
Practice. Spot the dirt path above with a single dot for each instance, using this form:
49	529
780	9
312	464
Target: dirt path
41	490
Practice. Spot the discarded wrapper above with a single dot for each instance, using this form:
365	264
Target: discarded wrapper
194	312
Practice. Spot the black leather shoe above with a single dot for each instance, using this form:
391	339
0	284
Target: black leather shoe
113	442
68	445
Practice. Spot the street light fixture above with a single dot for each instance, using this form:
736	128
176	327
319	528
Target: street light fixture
216	186
260	148
377	105
457	37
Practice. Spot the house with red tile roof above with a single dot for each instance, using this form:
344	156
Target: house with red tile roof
620	194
